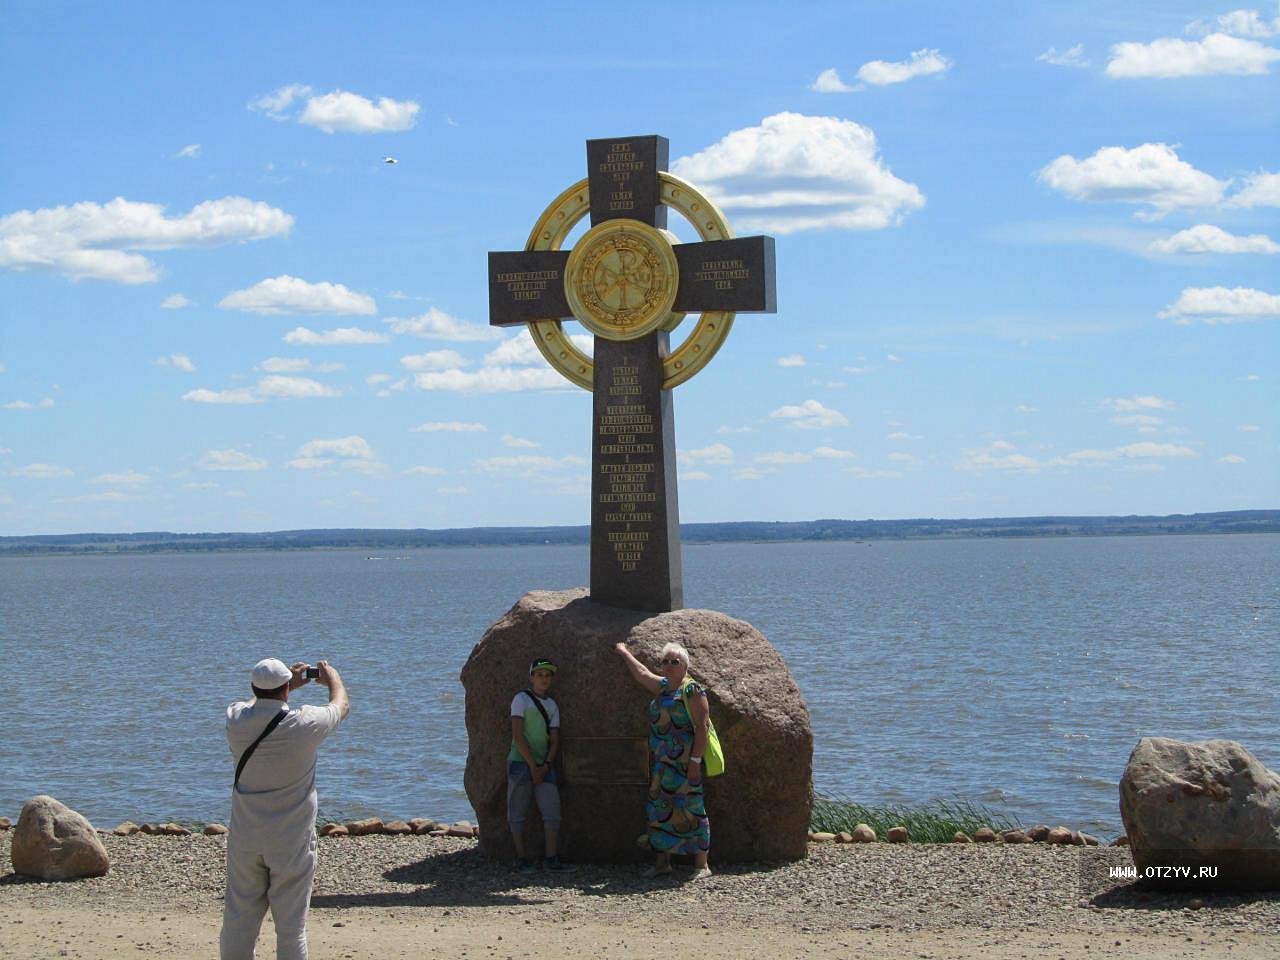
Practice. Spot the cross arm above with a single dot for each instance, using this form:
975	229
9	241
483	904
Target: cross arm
527	285
735	275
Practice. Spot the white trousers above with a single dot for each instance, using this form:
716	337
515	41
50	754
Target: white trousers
257	879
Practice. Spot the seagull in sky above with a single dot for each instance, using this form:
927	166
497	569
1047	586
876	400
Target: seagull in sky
390	160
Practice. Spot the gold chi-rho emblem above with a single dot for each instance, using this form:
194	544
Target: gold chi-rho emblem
621	280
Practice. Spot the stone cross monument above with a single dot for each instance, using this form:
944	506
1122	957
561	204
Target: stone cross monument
631	282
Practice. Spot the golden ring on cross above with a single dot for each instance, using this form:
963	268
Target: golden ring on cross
600	253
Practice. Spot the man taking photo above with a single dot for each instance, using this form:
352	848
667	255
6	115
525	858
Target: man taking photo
271	847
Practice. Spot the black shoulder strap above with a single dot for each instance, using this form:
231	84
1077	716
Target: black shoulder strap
244	757
541	709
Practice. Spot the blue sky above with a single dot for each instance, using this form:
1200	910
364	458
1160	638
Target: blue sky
1027	258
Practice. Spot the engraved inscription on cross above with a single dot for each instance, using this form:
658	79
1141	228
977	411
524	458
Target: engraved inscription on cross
631	282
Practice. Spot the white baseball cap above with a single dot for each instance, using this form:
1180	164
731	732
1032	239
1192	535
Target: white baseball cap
270	673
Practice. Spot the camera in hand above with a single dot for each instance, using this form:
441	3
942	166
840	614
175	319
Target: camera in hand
313	673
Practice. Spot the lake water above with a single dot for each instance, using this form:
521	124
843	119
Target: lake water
1017	673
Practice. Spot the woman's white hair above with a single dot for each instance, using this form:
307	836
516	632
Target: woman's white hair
677	651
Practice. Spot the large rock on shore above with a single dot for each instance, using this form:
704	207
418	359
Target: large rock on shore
759	808
1194	805
53	842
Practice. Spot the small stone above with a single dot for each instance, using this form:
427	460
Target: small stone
863	833
898	835
1013	836
397	827
1195	904
172	830
1039	833
150	829
844	836
984	835
439	830
1059	835
126	829
214	830
961	837
421	825
365	827
4	823
462	828
1090	840
1120	841
823	837
1077	838
333	830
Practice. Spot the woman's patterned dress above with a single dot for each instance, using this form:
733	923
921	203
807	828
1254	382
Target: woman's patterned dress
677	816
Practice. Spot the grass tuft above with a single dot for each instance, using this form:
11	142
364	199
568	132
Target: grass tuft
934	822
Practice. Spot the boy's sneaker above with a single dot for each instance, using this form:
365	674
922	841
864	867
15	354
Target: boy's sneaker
526	867
556	865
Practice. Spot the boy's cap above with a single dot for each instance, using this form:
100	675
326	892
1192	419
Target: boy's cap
542	663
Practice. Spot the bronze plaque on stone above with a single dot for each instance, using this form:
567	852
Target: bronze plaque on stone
598	761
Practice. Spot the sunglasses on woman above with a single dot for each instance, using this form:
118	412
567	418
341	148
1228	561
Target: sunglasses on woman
667	661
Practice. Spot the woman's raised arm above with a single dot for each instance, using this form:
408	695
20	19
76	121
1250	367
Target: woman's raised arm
639	672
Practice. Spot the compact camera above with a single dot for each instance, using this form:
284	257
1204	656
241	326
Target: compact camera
313	673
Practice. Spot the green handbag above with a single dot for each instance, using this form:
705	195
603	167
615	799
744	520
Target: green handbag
713	757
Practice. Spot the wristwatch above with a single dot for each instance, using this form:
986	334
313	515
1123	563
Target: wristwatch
695	759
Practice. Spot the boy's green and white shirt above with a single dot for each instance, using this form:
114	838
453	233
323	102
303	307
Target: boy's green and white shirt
535	728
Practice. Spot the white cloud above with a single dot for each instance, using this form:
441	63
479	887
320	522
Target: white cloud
731	430
792	360
426	471
190	152
1025	408
437	325
795	172
353	446
352	113
433	360
1136	404
284	365
831	453
865	473
520	350
230	460
1248	23
898	457
525	462
810	415
295	387
374	379
751	473
451	426
239	395
27	404
342	336
129	478
1231	458
1150	175
174	301
452	491
41	471
105	496
999	456
286	294
1074	57
179	361
893	358
199	486
493	380
695	475
1222	305
511	441
1260	189
87	241
1206	238
1248	428
716	453
781	458
920	64
275	104
1143	450
829	82
1136	420
1218	53
856	369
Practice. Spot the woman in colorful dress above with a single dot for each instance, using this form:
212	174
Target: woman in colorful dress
678	717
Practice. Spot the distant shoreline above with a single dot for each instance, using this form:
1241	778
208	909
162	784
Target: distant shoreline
391	540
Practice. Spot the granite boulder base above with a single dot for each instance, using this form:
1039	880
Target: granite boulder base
759	808
1209	805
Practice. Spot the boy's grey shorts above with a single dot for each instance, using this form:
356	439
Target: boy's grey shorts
520	790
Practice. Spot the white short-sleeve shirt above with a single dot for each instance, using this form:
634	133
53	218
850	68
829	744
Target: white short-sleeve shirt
275	804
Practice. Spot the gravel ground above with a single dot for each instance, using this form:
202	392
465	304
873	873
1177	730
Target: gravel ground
981	887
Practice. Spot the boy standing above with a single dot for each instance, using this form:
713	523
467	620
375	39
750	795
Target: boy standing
531	775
